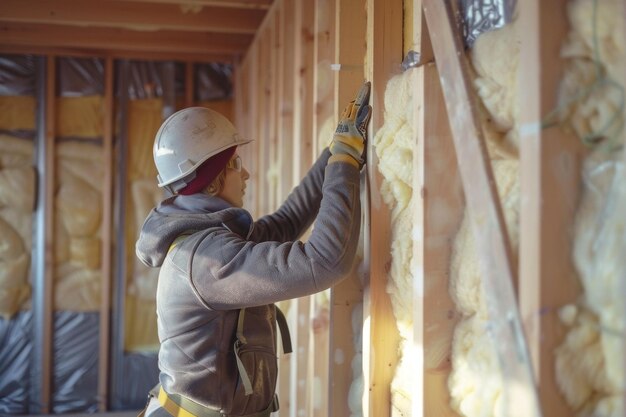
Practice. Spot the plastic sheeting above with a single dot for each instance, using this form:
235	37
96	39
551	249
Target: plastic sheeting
213	81
78	77
15	353
483	15
148	80
17	75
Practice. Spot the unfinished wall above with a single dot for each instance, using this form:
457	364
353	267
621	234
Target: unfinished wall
404	294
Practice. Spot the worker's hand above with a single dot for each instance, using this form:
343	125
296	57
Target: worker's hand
351	135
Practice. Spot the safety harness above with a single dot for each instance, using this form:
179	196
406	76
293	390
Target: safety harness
179	406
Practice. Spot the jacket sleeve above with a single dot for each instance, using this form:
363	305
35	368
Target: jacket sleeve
229	272
298	211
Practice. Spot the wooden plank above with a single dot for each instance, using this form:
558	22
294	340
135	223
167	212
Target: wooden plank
262	130
302	159
243	4
189	84
286	95
286	33
120	39
350	52
323	109
438	214
550	179
133	15
273	91
254	182
488	224
380	334
107	241
104	53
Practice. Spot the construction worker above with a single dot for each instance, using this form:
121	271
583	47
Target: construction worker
221	272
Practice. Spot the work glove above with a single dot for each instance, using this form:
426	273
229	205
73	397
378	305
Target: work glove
350	137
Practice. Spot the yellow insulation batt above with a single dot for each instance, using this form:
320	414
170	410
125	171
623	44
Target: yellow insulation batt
78	205
17	196
394	146
590	362
476	380
80	116
144	119
17	113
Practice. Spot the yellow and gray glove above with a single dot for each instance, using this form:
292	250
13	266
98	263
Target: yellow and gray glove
350	139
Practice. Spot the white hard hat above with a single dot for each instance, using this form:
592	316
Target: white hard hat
188	138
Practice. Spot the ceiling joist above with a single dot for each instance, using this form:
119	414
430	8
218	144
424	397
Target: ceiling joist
139	16
122	39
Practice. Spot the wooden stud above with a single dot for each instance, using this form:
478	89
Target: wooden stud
254	180
350	53
286	73
380	333
107	241
550	179
274	94
323	109
285	122
488	224
438	199
189	84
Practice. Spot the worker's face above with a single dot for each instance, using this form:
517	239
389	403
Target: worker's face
234	182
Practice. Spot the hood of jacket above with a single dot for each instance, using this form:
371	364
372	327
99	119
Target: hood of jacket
186	215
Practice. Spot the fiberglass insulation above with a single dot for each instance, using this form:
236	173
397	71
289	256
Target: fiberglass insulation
17	195
590	362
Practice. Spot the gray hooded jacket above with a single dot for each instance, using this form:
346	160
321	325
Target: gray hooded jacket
227	262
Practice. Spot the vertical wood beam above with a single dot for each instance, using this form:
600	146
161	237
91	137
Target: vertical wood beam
303	156
350	54
189	84
107	242
380	333
253	148
273	86
438	199
550	178
323	109
285	116
488	225
286	97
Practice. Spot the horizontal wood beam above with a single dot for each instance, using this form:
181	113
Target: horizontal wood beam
132	15
39	35
238	4
104	53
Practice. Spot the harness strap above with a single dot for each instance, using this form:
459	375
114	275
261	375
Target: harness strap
285	336
179	406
